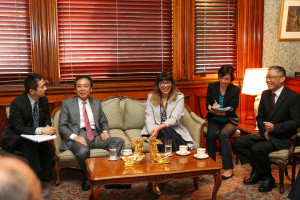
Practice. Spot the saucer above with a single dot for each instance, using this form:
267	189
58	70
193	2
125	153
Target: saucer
184	154
112	159
204	157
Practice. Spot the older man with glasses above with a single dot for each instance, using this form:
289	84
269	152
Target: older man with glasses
278	118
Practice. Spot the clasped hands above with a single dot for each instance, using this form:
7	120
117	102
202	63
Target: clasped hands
269	128
103	135
49	130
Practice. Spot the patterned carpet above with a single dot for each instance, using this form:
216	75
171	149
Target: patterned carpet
181	189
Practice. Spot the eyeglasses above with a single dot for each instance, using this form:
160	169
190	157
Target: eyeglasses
272	77
224	79
165	83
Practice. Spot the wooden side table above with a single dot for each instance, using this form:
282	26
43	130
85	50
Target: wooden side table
247	129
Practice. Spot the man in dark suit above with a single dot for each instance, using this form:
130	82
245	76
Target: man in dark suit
83	125
29	114
278	118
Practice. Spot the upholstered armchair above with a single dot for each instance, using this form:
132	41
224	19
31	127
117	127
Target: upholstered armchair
283	158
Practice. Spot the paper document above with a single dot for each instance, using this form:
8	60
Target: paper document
38	138
222	109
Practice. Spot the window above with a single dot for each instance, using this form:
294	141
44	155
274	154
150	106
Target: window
115	40
15	42
215	35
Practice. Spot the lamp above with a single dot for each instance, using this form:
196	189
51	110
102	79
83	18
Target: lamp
255	84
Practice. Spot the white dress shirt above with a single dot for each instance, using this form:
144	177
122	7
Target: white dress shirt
38	131
277	93
89	113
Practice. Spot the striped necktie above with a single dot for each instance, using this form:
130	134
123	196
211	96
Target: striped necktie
35	115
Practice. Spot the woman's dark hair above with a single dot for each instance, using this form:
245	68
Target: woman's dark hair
81	77
226	69
31	81
164	76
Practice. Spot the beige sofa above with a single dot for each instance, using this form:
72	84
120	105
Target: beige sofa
126	118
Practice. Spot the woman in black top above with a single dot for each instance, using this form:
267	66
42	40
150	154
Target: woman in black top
222	124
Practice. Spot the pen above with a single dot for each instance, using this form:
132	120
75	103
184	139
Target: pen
215	101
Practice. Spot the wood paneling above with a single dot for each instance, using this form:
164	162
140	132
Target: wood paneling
44	39
250	47
45	57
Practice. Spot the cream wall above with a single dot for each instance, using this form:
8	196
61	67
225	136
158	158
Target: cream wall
285	54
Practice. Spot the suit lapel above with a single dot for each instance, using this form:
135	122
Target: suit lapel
279	101
76	109
27	104
95	109
227	96
170	108
217	92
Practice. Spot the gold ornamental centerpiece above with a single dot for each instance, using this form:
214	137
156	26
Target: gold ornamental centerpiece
154	154
137	155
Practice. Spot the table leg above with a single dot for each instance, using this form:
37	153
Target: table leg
218	180
95	189
196	182
153	187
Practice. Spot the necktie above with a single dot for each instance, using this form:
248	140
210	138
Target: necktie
273	100
89	131
35	115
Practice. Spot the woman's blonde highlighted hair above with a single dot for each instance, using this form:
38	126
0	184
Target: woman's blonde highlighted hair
156	93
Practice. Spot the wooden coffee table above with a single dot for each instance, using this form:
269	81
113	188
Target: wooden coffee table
101	171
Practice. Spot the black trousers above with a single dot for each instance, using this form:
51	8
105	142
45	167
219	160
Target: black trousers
295	192
169	133
40	157
255	149
83	152
222	132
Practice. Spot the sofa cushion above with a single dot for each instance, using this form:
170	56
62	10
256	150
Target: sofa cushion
112	110
134	114
121	134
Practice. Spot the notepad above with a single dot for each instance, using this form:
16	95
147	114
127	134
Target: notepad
222	109
38	138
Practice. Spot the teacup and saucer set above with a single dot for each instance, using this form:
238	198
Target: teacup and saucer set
183	150
126	152
201	154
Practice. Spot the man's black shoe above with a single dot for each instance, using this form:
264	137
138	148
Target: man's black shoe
118	186
254	177
85	185
267	185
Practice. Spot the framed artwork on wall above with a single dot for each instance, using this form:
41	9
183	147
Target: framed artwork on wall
289	23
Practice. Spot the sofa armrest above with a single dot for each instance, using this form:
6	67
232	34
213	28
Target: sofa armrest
203	128
194	124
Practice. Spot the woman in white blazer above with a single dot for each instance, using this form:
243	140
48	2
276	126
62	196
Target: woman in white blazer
164	114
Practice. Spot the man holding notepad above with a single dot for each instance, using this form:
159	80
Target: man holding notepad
29	115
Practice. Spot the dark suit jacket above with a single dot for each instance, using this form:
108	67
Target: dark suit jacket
285	116
20	120
231	99
69	119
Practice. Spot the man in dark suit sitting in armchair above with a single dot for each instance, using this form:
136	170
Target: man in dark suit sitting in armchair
278	118
29	114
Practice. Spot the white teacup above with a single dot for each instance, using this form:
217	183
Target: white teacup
126	152
183	149
201	152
